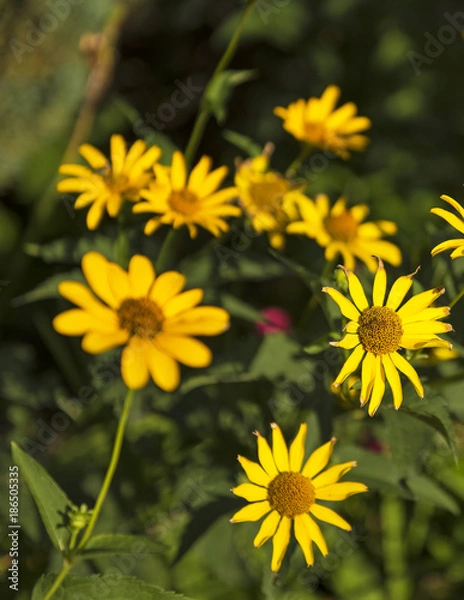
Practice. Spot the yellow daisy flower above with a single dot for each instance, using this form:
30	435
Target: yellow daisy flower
146	313
270	200
456	222
316	122
193	201
376	333
340	230
288	490
109	184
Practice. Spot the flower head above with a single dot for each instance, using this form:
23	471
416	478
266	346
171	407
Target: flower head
340	230
194	200
286	490
456	222
376	333
148	314
276	320
270	200
109	183
317	123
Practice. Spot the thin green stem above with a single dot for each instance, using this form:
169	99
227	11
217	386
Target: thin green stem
73	539
59	580
205	110
111	469
166	256
398	584
456	299
305	151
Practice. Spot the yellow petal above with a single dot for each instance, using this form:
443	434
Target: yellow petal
453	220
297	449
454	204
419	302
135	152
340	491
407	369
349	341
166	286
267	529
75	322
198	174
251	512
186	350
399	290
356	290
95	214
164	370
426	328
315	534
145	162
380	285
76	171
79	294
367	377
95	269
351	364
428	314
182	302
96	342
118	153
265	456
347	308
203	320
455	243
333	474
279	448
318	459
323	513
280	543
304	539
178	171
251	492
119	282
394	380
213	181
378	389
141	276
134	367
94	157
255	473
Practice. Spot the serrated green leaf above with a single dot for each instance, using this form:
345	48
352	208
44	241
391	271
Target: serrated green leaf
243	142
219	91
118	543
48	288
51	500
116	587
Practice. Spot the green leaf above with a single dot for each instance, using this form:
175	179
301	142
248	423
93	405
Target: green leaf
240	309
51	500
116	587
219	91
69	251
48	288
425	489
118	543
243	142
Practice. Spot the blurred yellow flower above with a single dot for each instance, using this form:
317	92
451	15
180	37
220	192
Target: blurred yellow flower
109	184
193	201
454	221
316	122
340	230
376	333
146	313
288	490
270	200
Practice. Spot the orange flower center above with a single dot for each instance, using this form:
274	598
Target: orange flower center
342	228
140	316
291	494
380	330
184	201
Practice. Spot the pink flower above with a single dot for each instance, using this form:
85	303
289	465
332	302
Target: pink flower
276	320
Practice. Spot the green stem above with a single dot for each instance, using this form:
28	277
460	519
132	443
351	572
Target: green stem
296	164
111	469
456	298
73	540
398	584
59	580
166	255
205	111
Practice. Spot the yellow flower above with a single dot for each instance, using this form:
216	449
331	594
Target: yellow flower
109	183
270	200
317	123
288	492
376	333
340	230
456	222
147	314
193	202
